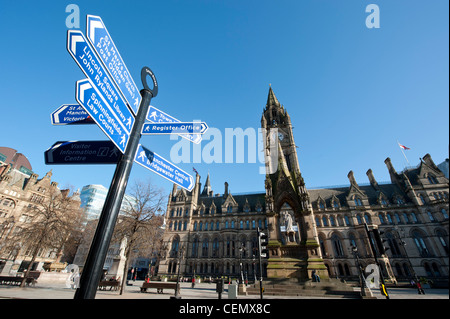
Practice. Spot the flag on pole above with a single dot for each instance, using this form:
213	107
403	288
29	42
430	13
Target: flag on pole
403	147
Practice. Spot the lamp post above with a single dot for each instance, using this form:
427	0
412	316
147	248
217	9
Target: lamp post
360	271
180	260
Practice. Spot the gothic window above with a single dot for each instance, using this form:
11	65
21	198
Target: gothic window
175	244
420	244
205	248
232	224
186	213
444	213
200	226
397	218
443	239
393	245
172	211
352	240
213	210
430	216
217	226
367	218
241	224
195	247
432	179
335	204
325	221
175	225
215	248
253	224
347	221
185	225
229	209
337	246
414	217
389	218
382	221
422	199
332	221
321	205
247	224
206	226
359	219
260	224
195	226
226	224
317	221
358	201
258	208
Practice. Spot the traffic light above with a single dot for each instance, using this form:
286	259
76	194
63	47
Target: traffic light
263	241
379	241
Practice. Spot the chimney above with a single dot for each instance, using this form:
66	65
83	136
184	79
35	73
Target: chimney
391	169
351	178
372	180
225	194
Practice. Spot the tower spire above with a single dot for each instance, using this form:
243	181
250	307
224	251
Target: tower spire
272	99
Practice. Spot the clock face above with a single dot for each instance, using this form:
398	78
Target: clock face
281	136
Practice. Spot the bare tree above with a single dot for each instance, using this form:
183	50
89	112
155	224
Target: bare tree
139	225
48	224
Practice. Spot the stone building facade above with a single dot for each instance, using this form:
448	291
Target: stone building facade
20	189
321	230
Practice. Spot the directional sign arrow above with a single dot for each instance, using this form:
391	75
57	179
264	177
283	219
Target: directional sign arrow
93	102
157	116
68	114
82	152
163	167
103	44
82	52
174	128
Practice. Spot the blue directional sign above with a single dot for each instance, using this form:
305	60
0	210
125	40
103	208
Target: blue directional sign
103	44
68	114
82	152
155	115
95	105
163	167
86	58
174	128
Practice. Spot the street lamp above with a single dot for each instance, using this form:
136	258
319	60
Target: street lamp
360	271
180	259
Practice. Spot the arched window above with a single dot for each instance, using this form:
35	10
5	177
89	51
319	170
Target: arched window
325	221
420	244
217	226
241	224
367	219
430	216
444	213
389	218
195	247
332	221
358	201
200	226
432	179
317	221
175	244
337	246
247	224
205	248
195	226
229	209
347	220
215	248
443	239
253	224
359	219
382	221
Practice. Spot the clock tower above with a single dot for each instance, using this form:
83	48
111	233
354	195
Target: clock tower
293	242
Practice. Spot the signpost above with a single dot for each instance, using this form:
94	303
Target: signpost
157	116
174	128
82	152
68	114
90	64
163	167
102	114
100	39
101	100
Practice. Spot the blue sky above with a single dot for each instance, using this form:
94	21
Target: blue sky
351	92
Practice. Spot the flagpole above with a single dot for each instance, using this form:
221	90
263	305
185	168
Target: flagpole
401	148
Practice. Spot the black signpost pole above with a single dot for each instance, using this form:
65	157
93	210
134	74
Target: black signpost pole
93	267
